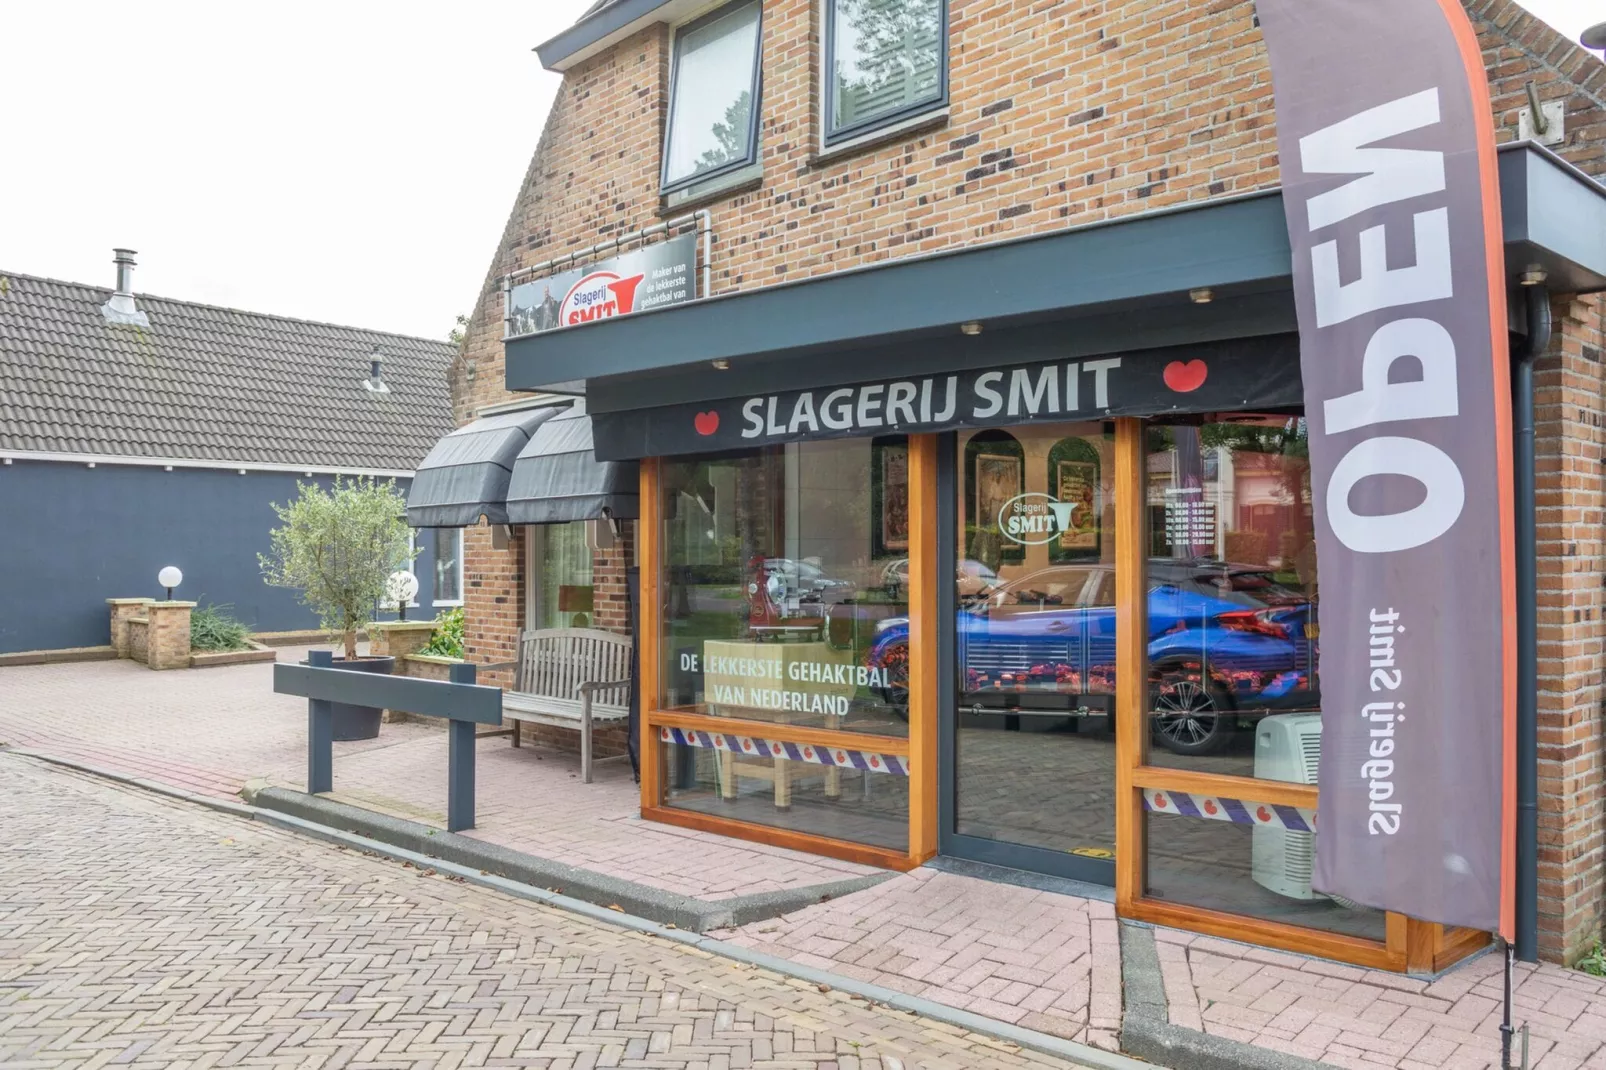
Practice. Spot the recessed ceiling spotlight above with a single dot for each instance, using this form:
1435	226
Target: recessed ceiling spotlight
1534	275
1202	296
721	363
971	329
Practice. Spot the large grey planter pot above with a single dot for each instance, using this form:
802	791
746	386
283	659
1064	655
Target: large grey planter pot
360	722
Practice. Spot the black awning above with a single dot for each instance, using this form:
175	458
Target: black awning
557	478
466	475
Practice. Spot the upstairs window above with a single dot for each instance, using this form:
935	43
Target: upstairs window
886	61
713	96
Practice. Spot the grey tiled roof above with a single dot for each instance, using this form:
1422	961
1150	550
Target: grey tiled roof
206	383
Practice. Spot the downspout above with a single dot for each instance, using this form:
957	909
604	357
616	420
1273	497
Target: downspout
1537	295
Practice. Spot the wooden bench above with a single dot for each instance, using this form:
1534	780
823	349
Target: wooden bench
570	678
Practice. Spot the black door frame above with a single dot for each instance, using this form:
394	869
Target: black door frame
949	840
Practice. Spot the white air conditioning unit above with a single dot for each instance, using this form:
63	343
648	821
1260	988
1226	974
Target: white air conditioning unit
1288	747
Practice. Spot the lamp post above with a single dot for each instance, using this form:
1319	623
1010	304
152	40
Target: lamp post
400	589
169	578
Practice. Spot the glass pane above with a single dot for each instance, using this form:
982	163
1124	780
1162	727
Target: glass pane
786	578
1233	631
1036	635
845	800
887	56
448	564
1243	857
710	120
564	595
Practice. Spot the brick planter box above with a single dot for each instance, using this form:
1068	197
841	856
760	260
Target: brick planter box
203	659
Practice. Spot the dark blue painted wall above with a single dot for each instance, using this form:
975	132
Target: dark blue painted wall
73	536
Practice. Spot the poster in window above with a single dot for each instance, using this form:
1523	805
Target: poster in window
895	497
1078	483
998	481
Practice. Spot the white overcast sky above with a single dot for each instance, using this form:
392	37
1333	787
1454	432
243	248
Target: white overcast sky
341	160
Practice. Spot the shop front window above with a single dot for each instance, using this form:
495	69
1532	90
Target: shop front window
561	592
1233	641
1035	598
785	588
448	547
1233	629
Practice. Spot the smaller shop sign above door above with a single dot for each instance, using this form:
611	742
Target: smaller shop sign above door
1211	377
653	276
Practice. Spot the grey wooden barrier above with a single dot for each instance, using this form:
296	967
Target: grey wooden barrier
461	701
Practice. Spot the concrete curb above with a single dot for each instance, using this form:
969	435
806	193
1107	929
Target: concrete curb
669	908
1081	1054
1147	1032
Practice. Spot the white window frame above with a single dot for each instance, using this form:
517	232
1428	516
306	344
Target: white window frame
736	171
435	571
894	122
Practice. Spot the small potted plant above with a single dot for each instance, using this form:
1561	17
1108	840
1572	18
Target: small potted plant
338	547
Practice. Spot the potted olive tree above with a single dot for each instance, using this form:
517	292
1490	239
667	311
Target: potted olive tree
338	547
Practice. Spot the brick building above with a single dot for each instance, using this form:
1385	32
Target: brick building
1067	183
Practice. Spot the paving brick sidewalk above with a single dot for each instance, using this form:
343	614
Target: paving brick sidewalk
1037	959
138	932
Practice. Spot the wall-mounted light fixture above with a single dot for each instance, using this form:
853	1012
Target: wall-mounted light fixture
1533	275
1202	296
721	364
970	329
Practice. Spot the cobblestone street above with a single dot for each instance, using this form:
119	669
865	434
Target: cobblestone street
137	931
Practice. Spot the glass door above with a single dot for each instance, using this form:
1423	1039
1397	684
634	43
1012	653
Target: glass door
1031	750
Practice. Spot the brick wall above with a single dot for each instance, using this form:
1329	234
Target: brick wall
1064	113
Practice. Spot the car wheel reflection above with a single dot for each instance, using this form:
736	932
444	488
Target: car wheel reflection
1190	715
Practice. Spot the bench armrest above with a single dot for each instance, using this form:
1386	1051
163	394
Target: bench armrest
594	686
499	666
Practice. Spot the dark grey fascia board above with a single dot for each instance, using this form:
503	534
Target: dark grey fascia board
1226	243
599	31
1554	217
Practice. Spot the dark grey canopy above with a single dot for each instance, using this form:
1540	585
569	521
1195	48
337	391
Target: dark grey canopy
466	475
557	478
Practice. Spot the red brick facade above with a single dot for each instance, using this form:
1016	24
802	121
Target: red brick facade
1065	113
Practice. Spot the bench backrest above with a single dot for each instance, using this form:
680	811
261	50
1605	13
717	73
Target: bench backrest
554	662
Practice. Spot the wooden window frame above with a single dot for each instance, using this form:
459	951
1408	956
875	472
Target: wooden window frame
1409	945
919	747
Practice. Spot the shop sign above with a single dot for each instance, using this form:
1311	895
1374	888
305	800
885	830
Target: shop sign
1036	519
664	273
1250	373
1392	194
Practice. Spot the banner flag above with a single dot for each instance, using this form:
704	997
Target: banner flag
1386	140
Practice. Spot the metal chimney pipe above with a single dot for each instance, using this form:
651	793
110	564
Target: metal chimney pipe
374	361
119	308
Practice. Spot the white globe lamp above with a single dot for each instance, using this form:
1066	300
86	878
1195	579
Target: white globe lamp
169	578
400	590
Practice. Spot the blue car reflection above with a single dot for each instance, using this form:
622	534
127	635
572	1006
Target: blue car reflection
1226	642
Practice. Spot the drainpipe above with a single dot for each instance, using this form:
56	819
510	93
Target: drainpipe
1538	304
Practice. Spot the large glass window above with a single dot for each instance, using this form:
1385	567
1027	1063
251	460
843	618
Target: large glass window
561	587
448	545
1233	630
1035	594
885	60
785	584
713	107
1233	642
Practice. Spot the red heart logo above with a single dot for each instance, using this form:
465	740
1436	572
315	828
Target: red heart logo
808	752
1263	814
1159	801
1185	378
708	422
1210	806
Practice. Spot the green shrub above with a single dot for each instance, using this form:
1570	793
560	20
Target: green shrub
447	639
214	630
1594	962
